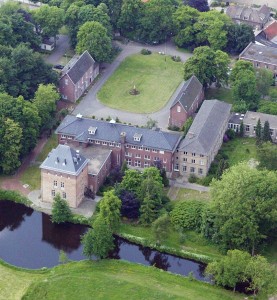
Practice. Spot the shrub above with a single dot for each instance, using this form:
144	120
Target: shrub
231	134
14	196
187	215
173	128
206	180
145	52
60	211
192	178
176	58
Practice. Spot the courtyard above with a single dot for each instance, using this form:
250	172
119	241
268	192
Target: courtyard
153	76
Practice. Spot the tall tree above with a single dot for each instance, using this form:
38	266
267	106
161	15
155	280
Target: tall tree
10	146
240	67
94	38
258	132
201	5
131	182
267	156
160	228
266	137
264	80
61	212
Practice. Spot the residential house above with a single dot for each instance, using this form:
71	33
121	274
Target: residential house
261	56
256	18
250	123
235	121
268	36
77	75
197	150
64	171
188	100
48	44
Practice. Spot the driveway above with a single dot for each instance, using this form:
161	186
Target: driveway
91	106
61	47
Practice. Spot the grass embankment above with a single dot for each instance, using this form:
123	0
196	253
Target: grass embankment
111	279
32	175
151	75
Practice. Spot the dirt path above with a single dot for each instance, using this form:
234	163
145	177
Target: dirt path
13	182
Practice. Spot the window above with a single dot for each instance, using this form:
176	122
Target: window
140	148
97	142
118	145
271	131
200	171
128	154
185	153
134	147
66	81
137	156
202	162
192	169
257	64
247	128
62	184
185	159
146	164
176	167
184	168
193	161
127	146
147	149
178	108
137	163
201	155
104	143
255	129
164	160
193	154
64	195
147	157
161	152
156	158
129	161
155	151
55	183
111	144
53	193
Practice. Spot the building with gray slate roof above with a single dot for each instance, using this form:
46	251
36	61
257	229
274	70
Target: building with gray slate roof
197	150
77	75
235	121
256	18
261	56
187	101
64	172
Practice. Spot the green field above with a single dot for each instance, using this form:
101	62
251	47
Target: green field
111	279
155	76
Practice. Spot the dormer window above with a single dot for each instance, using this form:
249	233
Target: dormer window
92	130
137	137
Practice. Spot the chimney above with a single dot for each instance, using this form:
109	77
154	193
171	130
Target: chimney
123	137
78	155
191	135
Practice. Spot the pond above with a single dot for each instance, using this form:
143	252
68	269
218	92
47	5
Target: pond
29	239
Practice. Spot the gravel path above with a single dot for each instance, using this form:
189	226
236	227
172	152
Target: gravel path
91	106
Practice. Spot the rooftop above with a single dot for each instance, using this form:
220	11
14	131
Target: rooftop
206	127
236	118
78	128
64	159
77	66
251	118
260	53
188	93
271	30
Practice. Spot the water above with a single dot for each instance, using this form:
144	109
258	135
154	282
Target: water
29	239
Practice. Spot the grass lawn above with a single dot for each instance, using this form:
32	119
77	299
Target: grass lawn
32	177
193	242
222	94
155	76
187	194
240	149
50	144
112	279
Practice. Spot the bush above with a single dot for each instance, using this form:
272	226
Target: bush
176	58
187	215
231	134
192	178
145	52
173	128
15	197
206	180
61	212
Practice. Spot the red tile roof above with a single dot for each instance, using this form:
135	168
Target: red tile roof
271	30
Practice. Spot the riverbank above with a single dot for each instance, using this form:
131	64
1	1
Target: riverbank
87	279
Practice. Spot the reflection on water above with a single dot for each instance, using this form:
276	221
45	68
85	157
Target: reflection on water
29	239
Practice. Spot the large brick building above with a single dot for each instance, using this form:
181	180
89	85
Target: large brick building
187	102
77	75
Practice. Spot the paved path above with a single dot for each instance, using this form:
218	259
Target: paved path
191	186
61	48
91	106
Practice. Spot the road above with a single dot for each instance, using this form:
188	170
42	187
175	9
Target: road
61	47
91	106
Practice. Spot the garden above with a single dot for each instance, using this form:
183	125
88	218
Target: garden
142	83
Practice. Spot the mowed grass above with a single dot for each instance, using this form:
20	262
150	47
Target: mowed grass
240	149
32	177
222	94
155	76
111	279
187	194
51	143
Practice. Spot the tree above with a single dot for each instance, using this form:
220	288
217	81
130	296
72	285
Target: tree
266	136
160	228
231	269
186	126
61	212
261	275
148	211
110	206
241	129
93	37
99	240
264	80
238	37
244	207
10	146
50	19
45	100
63	259
131	182
258	132
208	66
267	156
201	5
240	67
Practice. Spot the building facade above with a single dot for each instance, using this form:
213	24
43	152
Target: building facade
77	76
198	149
187	102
